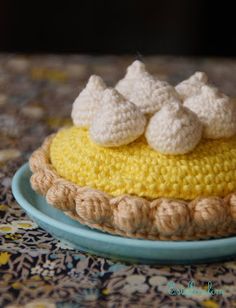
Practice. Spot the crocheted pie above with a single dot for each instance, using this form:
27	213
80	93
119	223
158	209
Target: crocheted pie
145	159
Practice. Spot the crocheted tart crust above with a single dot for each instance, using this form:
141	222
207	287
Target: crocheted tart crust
130	215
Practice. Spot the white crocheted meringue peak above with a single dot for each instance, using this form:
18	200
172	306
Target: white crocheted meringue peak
136	70
192	85
88	102
144	90
118	121
216	111
174	130
176	118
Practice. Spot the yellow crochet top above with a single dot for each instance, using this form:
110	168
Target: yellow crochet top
136	169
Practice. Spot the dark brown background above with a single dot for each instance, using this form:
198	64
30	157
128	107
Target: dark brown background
183	27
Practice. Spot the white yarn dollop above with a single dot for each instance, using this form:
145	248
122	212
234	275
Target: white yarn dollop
192	85
117	122
216	111
144	90
135	71
174	130
177	120
88	102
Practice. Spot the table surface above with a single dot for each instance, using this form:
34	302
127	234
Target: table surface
36	94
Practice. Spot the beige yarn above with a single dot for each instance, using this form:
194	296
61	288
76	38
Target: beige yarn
174	130
131	216
135	71
117	122
88	102
216	111
144	90
192	85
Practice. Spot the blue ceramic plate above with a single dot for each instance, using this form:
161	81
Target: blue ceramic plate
116	247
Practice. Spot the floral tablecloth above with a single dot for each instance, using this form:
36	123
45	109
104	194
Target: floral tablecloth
36	270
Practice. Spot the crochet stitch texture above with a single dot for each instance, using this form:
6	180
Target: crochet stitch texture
136	169
118	121
117	116
192	85
132	216
88	102
216	111
144	90
174	130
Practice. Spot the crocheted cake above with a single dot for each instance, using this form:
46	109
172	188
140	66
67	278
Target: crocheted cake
145	159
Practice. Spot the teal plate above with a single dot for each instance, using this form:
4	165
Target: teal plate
115	247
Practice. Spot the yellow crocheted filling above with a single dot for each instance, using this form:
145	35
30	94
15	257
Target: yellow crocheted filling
137	169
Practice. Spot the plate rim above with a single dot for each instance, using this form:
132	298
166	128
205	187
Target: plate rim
105	237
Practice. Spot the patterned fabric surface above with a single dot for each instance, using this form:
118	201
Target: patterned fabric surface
36	270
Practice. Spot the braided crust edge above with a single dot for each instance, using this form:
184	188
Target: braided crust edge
132	216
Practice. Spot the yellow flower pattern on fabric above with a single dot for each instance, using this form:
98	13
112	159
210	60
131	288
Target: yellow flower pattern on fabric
7	228
24	224
3	207
210	304
4	258
137	169
17	224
